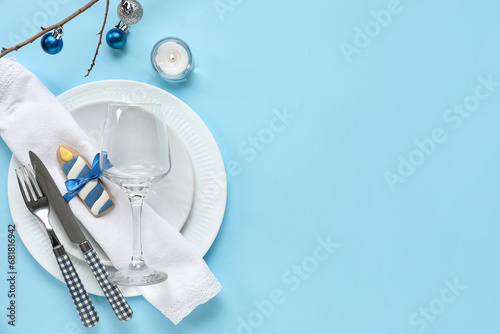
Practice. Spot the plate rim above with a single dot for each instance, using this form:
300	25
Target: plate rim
194	115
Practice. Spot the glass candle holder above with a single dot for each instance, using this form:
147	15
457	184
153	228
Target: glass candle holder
172	59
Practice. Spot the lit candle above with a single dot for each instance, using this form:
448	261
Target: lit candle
172	59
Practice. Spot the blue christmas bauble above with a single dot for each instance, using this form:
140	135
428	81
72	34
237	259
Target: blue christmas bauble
116	38
50	44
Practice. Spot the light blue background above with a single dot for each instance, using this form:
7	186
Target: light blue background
321	175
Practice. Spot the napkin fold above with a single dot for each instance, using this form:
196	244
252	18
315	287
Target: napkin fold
31	118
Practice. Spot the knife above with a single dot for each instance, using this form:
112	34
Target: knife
70	223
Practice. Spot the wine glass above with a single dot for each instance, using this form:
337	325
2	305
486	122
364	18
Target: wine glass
135	140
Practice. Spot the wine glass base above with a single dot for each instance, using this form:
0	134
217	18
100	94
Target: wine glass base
135	277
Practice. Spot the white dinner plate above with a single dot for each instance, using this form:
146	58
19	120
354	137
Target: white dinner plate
197	187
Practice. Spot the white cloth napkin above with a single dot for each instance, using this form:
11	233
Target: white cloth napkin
31	118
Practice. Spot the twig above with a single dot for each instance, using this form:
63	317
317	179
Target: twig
100	39
52	27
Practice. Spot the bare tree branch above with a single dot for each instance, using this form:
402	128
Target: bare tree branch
100	38
52	27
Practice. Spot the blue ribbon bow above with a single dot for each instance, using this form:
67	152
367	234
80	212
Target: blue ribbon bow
75	185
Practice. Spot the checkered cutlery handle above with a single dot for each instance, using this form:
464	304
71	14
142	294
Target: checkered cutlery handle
116	300
86	311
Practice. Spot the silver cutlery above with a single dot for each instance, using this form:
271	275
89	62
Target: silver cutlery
38	205
71	225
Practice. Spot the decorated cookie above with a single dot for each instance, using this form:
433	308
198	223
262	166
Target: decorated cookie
83	180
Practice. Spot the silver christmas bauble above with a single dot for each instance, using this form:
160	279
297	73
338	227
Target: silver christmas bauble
130	11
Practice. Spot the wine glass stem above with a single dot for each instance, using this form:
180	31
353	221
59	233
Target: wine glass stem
136	201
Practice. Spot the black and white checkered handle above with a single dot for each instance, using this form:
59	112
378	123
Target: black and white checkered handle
116	300
86	311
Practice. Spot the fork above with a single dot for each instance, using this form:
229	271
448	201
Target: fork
38	205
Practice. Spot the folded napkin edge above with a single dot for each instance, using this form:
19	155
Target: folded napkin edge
182	309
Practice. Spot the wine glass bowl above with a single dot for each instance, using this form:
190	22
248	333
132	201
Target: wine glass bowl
139	142
135	140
